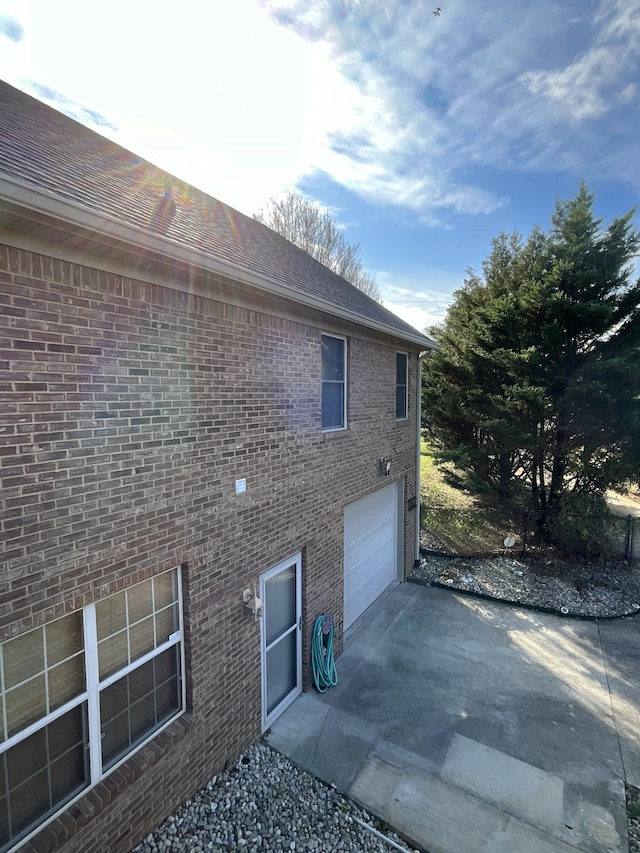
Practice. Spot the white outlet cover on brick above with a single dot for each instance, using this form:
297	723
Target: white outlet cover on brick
241	486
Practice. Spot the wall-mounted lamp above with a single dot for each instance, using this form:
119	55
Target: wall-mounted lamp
254	605
384	466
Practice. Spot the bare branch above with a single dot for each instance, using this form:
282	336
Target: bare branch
308	226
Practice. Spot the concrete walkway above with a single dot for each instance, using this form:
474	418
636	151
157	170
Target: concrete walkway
623	504
473	726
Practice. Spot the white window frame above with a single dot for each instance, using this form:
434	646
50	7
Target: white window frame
406	386
336	382
91	696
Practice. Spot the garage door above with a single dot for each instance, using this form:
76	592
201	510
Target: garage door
370	549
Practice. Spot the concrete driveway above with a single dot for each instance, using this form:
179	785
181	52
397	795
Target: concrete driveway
474	726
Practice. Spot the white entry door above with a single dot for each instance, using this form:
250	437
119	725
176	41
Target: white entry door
281	637
371	549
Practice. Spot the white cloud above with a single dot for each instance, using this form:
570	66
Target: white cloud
249	98
619	18
421	318
513	87
597	81
387	144
421	299
217	94
628	93
10	28
576	87
583	85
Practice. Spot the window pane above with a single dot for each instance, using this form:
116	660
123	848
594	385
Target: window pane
45	770
167	700
66	681
66	732
25	704
167	680
140	601
69	774
332	405
4	818
115	739
167	664
281	671
67	753
114	700
401	368
27	758
401	385
128	715
143	718
280	603
141	638
332	358
64	637
142	682
145	696
401	401
165	589
113	654
29	802
114	718
166	624
111	615
23	657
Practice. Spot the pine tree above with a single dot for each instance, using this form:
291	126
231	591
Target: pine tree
535	391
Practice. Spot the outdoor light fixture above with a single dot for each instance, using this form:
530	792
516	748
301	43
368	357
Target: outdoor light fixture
254	605
384	466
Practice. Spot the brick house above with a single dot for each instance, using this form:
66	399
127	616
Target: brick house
191	410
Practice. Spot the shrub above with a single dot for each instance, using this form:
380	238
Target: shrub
583	526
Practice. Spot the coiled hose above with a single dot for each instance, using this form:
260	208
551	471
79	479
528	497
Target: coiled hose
322	661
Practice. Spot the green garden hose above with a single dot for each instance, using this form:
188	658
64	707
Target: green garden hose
323	664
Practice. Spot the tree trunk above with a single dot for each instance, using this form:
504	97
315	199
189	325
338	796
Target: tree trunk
558	470
539	489
504	475
556	487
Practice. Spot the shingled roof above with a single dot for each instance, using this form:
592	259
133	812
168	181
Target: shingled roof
44	150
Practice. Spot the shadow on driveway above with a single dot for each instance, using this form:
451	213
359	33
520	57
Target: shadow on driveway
475	726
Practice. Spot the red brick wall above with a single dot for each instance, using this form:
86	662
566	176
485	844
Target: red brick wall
128	410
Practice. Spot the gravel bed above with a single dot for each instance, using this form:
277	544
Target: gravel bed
633	818
264	803
606	588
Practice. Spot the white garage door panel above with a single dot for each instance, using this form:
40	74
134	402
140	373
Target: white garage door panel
370	549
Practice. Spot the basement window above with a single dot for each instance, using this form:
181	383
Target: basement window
81	694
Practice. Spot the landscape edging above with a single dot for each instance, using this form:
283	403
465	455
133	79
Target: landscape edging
535	607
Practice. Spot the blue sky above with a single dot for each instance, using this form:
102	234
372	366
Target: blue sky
424	135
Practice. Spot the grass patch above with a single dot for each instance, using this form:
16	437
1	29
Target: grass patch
465	524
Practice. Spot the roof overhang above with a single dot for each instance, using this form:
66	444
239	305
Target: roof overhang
97	234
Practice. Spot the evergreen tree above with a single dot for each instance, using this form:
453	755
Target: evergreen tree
535	391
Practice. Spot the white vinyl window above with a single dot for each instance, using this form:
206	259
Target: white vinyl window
402	397
334	383
81	693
